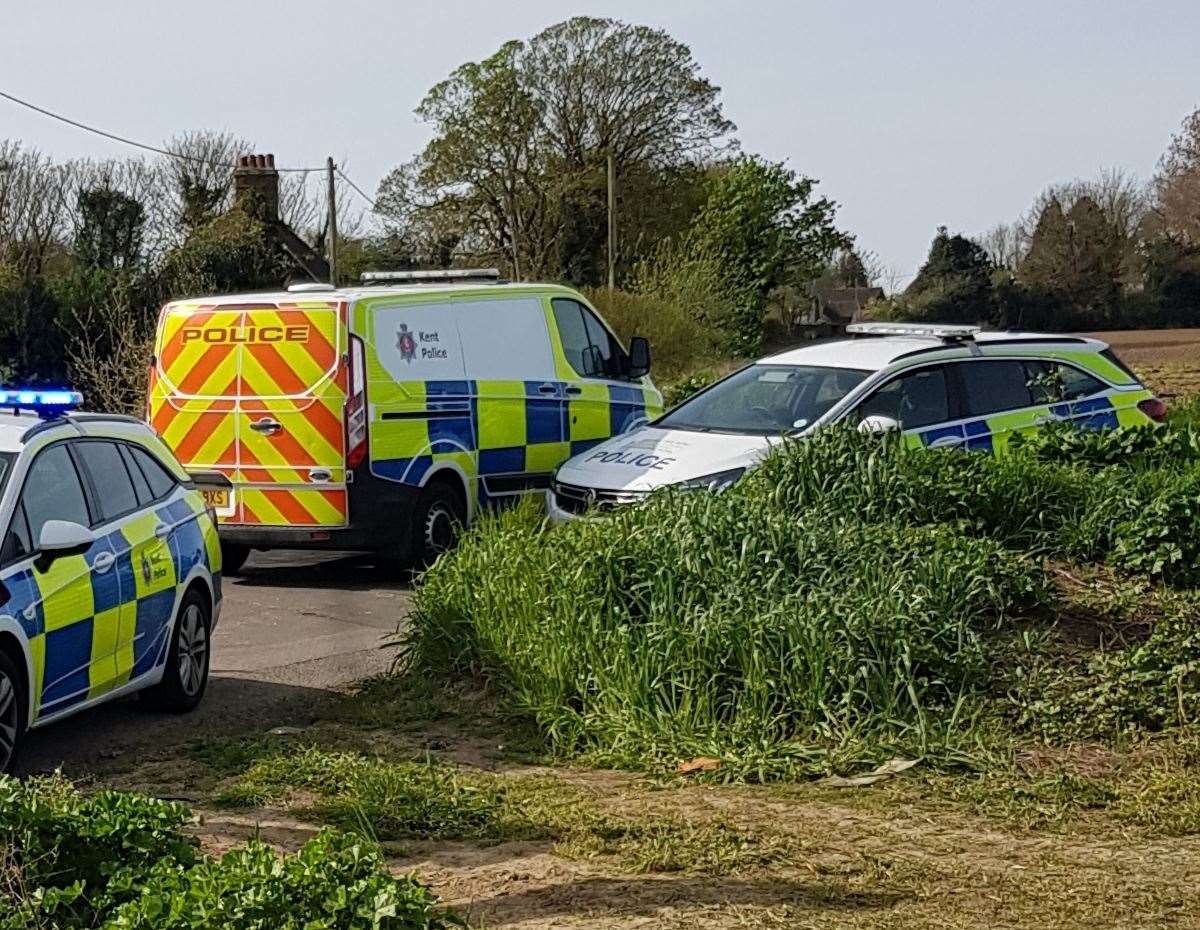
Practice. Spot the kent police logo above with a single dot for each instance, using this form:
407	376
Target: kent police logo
406	343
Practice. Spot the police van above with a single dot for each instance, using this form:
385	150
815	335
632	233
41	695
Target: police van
942	386
381	417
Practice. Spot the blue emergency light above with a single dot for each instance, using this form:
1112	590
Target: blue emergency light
47	403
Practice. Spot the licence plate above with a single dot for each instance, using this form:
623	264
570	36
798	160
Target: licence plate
219	499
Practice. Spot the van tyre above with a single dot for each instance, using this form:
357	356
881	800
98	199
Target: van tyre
438	518
14	708
233	557
186	676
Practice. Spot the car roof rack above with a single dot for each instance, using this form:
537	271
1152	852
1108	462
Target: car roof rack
946	332
436	276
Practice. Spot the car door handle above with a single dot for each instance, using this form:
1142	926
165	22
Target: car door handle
266	425
162	531
1046	419
947	441
30	613
574	390
103	562
547	388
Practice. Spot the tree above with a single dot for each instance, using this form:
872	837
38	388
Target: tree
1004	245
1172	280
515	172
953	286
110	229
1177	182
1075	257
763	224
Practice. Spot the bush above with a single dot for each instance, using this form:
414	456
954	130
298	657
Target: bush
120	861
678	336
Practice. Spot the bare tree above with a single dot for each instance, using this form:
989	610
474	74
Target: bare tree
1177	182
1004	244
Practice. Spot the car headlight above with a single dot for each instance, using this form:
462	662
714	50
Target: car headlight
717	481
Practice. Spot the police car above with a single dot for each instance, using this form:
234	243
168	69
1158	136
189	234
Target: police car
110	571
942	386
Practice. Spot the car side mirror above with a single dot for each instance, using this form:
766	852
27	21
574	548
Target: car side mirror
639	357
878	425
61	538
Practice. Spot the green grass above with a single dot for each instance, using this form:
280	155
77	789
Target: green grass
851	601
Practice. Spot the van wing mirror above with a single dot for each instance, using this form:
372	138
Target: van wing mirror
639	357
61	538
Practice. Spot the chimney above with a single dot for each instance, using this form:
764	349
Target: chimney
256	187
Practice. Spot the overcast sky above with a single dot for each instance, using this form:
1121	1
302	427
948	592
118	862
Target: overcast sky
912	114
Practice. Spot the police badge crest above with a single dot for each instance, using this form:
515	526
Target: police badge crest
406	343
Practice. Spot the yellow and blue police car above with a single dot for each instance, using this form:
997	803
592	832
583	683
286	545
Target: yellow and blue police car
110	567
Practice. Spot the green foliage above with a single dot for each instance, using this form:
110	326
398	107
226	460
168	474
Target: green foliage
399	800
678	338
119	861
953	286
761	222
834	607
111	225
676	392
229	253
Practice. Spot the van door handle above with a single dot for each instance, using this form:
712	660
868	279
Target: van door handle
103	562
320	475
548	388
266	425
162	531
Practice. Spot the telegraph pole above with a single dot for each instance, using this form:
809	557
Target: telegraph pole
329	171
612	222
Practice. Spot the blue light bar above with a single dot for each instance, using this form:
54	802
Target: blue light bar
46	403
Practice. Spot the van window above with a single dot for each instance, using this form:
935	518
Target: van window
993	386
590	349
914	400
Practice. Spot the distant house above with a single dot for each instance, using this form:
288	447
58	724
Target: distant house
256	191
831	307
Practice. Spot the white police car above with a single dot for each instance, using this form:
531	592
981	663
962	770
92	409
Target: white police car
951	386
109	566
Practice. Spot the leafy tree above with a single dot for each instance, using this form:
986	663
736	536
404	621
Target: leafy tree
1075	257
953	286
765	227
515	172
1172	280
110	231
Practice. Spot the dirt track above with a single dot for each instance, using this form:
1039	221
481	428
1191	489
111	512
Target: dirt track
294	629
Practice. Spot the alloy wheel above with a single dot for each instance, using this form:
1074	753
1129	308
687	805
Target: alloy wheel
8	720
193	649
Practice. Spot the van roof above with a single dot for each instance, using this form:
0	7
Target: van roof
358	292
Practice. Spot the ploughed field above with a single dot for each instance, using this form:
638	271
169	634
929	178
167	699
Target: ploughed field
1168	360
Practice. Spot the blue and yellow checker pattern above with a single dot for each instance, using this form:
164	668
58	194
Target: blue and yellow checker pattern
91	631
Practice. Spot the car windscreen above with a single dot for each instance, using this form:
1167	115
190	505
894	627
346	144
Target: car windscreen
765	400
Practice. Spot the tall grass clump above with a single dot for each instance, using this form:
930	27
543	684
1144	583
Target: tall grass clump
835	606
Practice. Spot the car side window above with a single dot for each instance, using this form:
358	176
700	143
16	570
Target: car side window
17	542
53	492
115	494
140	485
1055	382
914	400
161	481
590	349
993	386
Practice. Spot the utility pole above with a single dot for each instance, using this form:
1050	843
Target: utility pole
329	170
612	222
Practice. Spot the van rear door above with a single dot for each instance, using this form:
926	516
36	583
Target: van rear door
277	393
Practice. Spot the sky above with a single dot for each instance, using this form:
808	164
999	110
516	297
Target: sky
912	115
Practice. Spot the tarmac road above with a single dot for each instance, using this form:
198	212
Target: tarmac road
294	629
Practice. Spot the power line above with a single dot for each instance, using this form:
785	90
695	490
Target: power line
358	189
140	145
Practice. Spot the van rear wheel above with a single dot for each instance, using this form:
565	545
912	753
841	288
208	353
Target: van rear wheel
438	518
233	557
